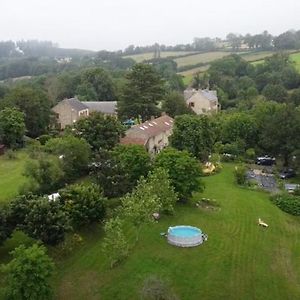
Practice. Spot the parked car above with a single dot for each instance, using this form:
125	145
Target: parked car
265	160
289	173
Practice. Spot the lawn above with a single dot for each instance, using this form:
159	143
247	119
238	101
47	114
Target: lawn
149	55
239	261
11	178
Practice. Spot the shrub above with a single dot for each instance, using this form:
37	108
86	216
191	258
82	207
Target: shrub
240	175
84	203
11	154
288	203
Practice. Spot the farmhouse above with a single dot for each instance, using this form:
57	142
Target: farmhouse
202	101
153	135
69	111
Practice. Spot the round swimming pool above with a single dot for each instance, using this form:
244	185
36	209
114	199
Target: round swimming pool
185	236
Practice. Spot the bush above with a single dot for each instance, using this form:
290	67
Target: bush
240	175
11	154
84	203
288	203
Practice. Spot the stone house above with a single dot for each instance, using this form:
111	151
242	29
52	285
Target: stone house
202	101
69	111
153	134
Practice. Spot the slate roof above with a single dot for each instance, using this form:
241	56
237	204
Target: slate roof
211	95
75	104
106	107
141	133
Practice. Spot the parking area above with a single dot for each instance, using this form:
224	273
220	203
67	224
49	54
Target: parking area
263	178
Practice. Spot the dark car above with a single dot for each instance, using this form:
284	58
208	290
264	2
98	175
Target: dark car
265	160
289	173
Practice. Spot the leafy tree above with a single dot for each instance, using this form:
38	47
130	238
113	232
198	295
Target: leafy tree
6	228
140	205
142	93
294	97
174	105
28	274
12	127
40	218
134	160
111	175
183	169
280	134
160	183
195	134
84	203
240	126
46	173
275	92
96	85
35	105
74	154
115	245
100	131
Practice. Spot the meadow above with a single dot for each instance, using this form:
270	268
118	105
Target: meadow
295	57
240	260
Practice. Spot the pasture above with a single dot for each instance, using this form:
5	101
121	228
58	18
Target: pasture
200	58
163	54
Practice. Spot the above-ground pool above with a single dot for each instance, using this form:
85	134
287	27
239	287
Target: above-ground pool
185	236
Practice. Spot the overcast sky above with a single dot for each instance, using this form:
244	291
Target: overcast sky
114	24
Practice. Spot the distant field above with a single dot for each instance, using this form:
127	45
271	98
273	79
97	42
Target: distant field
295	57
257	56
145	56
200	58
194	71
11	178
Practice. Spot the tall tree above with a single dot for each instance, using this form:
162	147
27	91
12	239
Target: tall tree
195	134
100	131
184	171
35	105
174	105
280	133
142	93
96	85
28	274
12	127
74	154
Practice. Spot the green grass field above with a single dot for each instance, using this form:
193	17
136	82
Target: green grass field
295	57
145	56
240	260
11	178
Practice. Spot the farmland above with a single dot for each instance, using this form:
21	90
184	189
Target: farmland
146	56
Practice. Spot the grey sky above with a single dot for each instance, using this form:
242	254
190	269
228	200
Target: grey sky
114	24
